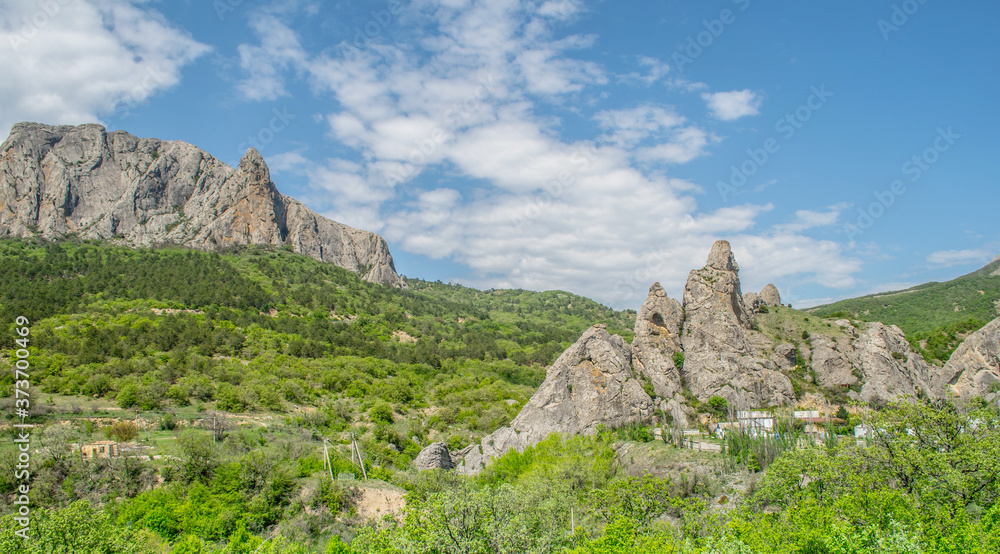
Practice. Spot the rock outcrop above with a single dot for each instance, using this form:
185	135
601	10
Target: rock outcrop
657	339
769	296
890	369
752	302
591	384
81	180
434	456
599	379
722	355
974	367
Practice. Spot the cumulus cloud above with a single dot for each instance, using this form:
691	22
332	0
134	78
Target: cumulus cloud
729	106
948	258
76	62
459	158
809	219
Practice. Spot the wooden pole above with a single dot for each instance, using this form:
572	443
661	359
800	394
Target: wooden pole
326	455
360	459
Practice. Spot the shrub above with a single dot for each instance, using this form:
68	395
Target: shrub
122	431
380	412
718	405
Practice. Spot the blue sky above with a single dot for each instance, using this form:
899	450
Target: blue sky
842	147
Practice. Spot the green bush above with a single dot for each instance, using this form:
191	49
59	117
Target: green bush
381	412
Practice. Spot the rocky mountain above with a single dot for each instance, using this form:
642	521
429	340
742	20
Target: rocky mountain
57	181
592	383
974	368
747	349
723	354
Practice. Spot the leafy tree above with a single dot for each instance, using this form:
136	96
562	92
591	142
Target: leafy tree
75	529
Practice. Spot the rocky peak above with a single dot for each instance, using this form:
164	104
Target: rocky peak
721	257
657	338
61	180
253	168
713	300
589	385
769	295
722	355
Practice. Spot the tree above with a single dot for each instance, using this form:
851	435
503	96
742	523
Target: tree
199	455
122	431
636	499
380	412
78	528
718	405
941	453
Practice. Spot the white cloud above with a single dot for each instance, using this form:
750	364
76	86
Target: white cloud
809	219
512	199
629	127
684	146
266	63
732	105
76	62
656	71
948	258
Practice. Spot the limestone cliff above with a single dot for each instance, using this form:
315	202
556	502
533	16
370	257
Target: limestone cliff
974	367
61	180
591	384
723	355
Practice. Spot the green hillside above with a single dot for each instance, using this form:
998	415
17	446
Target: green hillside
934	316
233	378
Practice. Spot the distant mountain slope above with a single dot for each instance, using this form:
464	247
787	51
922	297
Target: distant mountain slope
58	181
254	328
937	315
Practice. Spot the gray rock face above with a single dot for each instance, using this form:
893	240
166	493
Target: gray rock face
752	302
657	338
590	384
974	367
434	456
61	180
785	356
722	355
890	369
833	368
769	296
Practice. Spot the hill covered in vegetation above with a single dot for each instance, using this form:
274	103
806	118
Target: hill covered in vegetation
242	386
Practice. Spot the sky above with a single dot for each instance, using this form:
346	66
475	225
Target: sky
843	148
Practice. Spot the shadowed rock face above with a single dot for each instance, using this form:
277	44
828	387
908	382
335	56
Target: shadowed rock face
657	338
589	385
890	369
974	367
82	180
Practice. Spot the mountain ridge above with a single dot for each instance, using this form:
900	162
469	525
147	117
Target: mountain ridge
57	181
934	315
